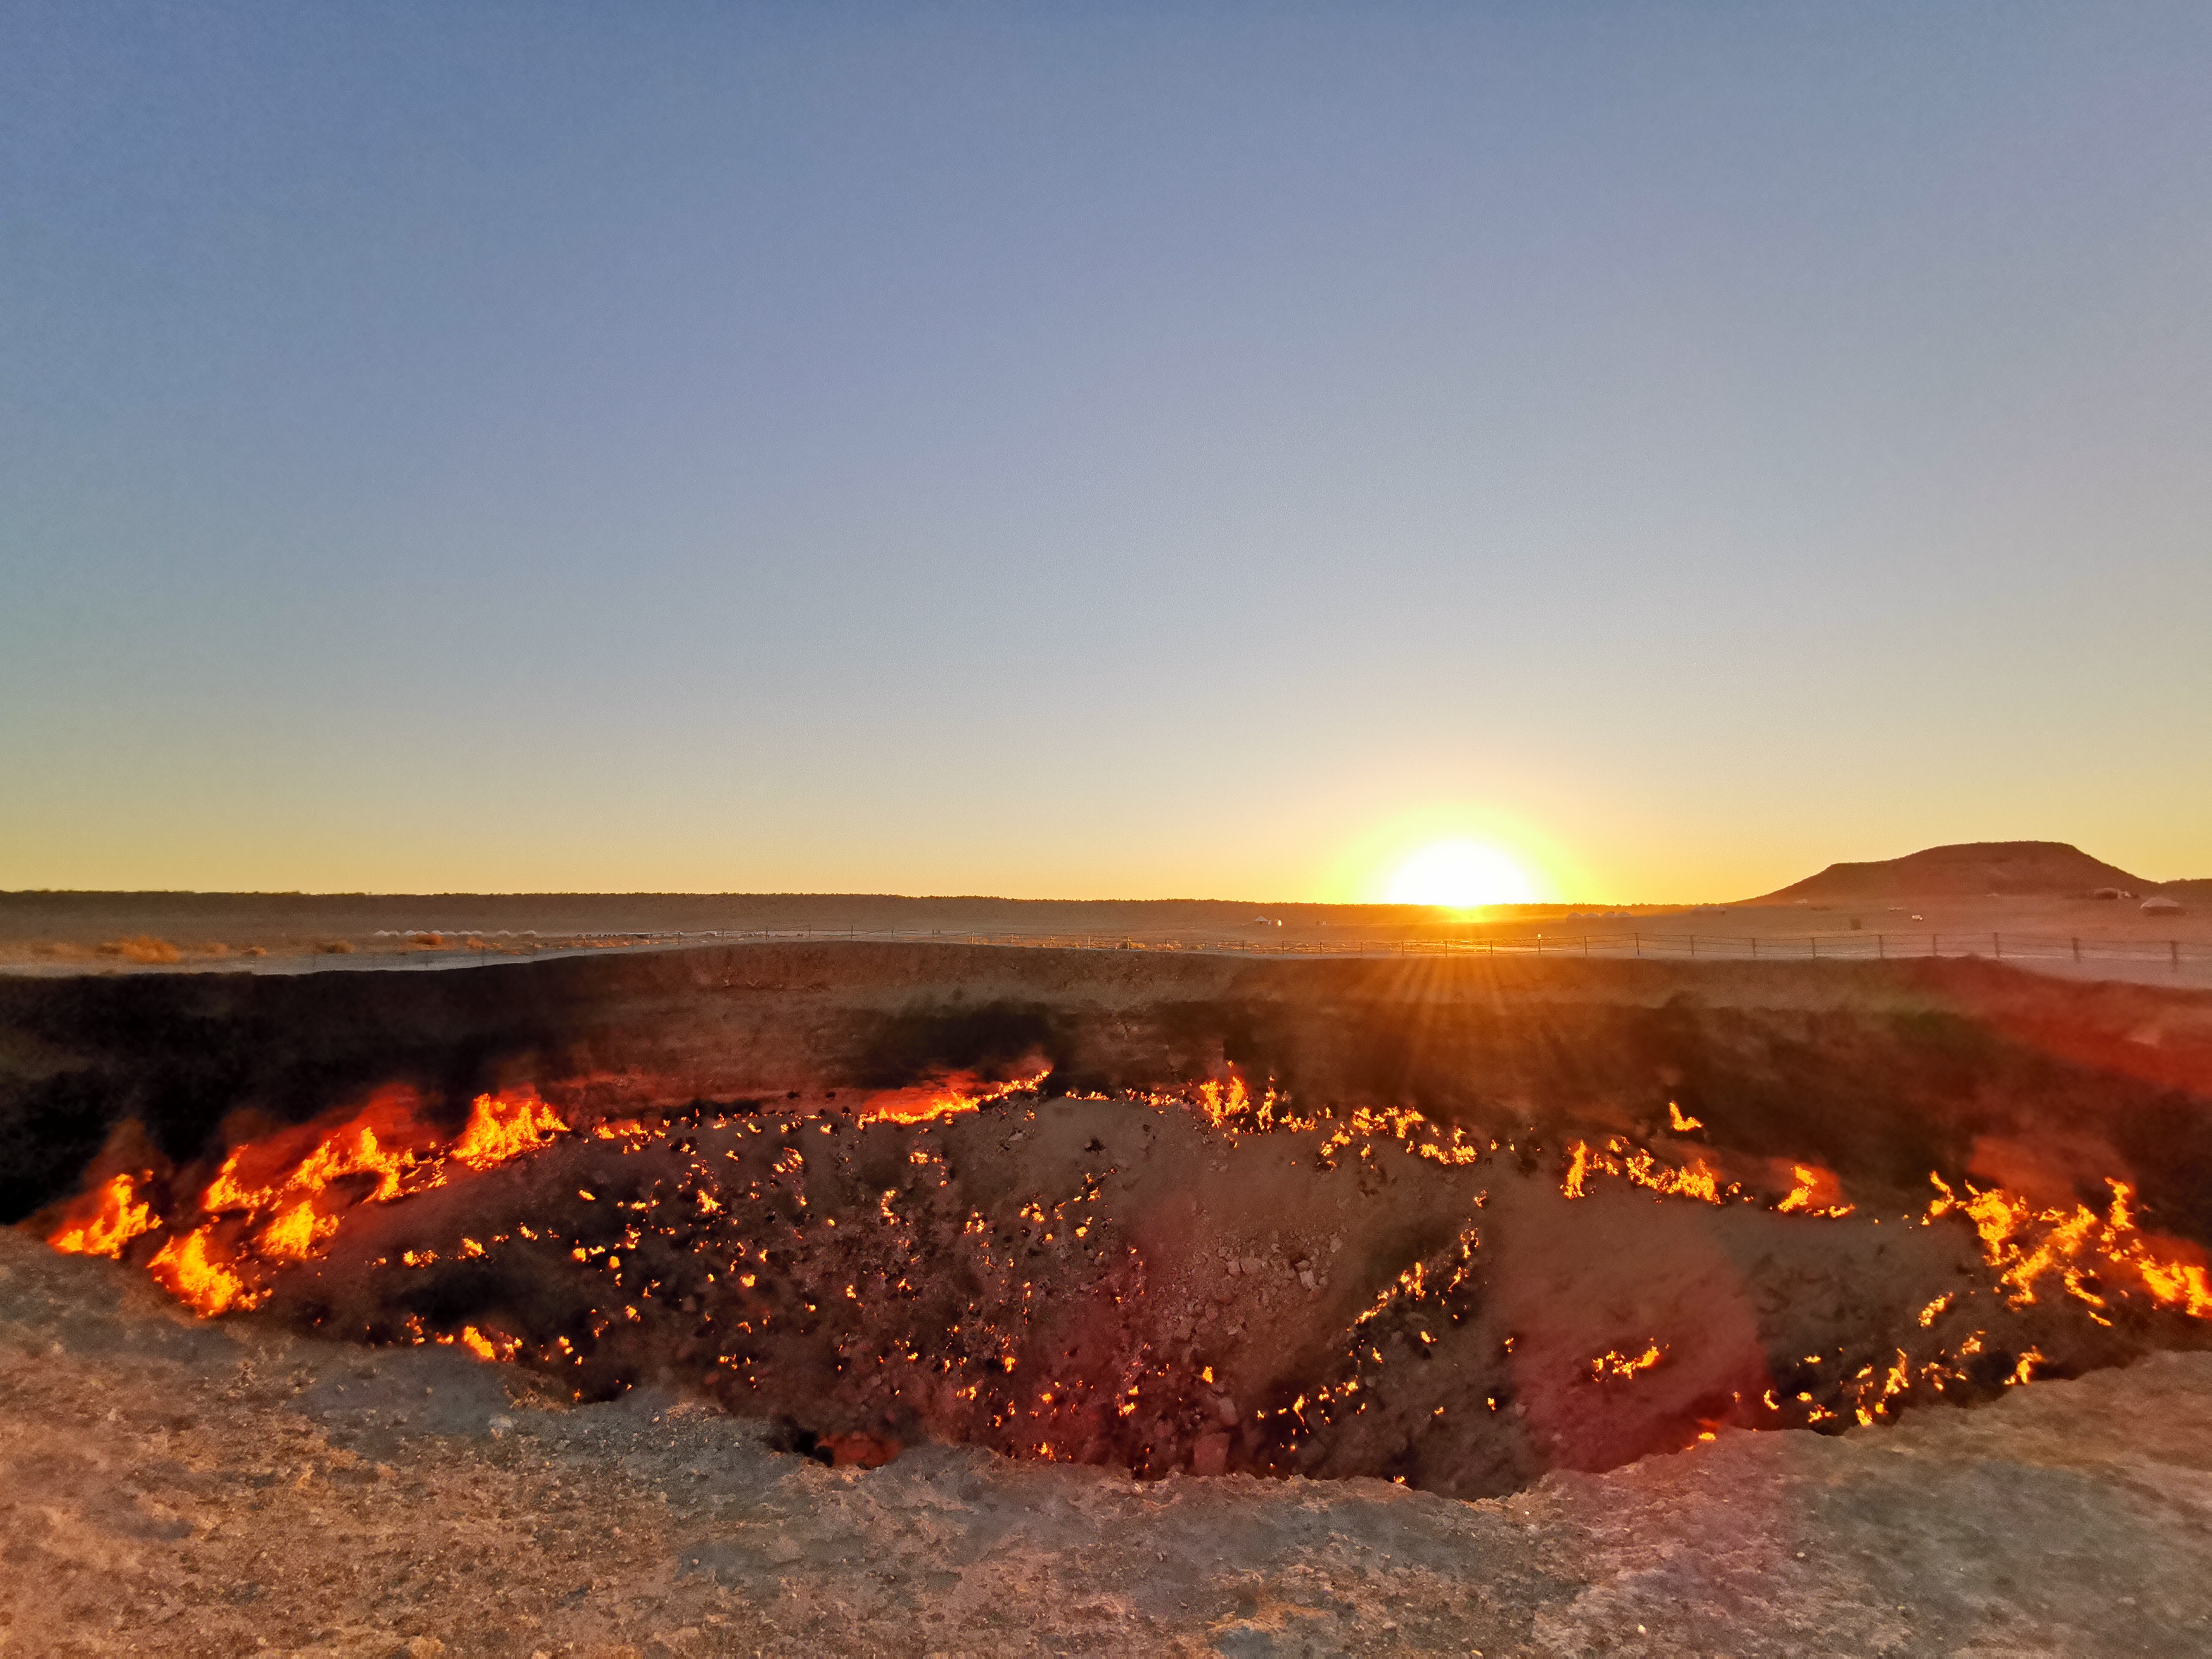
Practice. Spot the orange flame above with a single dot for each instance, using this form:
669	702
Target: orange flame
1695	1179
1233	1105
105	1220
1873	1391
188	1273
504	1126
959	1091
482	1346
1414	1133
1696	1182
1612	1363
1574	1183
1816	1192
2026	1246
294	1234
273	1202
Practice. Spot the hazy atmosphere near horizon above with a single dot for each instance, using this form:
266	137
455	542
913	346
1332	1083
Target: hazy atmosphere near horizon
1098	452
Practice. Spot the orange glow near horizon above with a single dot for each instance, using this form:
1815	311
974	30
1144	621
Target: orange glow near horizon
1459	875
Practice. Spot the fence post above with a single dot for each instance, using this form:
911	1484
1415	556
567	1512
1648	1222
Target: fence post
1639	945
1693	945
1997	947
2174	946
1585	943
1880	951
2077	950
1754	947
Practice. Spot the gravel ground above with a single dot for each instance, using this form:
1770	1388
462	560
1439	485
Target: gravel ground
173	1487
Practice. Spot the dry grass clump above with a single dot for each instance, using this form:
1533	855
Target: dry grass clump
431	941
335	947
143	948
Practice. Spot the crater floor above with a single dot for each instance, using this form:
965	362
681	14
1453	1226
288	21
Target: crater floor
180	1487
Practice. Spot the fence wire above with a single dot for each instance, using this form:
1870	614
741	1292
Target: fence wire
1853	946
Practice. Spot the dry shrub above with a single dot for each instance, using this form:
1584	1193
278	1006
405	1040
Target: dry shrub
431	941
215	948
256	951
144	948
335	947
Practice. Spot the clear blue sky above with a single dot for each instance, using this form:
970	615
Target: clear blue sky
1098	450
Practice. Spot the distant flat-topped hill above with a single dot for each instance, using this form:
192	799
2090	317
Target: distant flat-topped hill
2045	869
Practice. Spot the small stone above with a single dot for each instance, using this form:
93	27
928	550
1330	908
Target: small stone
859	1450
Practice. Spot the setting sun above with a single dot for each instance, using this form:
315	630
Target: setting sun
1459	875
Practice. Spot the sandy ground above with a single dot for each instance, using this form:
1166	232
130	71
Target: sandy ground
66	934
182	1488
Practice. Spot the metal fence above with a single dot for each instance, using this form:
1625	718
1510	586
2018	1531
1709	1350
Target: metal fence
1853	946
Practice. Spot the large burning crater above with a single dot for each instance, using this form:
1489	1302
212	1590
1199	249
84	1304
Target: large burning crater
1217	1267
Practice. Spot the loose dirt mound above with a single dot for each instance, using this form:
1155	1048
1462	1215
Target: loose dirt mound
2039	869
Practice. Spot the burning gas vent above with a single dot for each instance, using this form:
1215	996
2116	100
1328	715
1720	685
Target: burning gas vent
1208	1276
